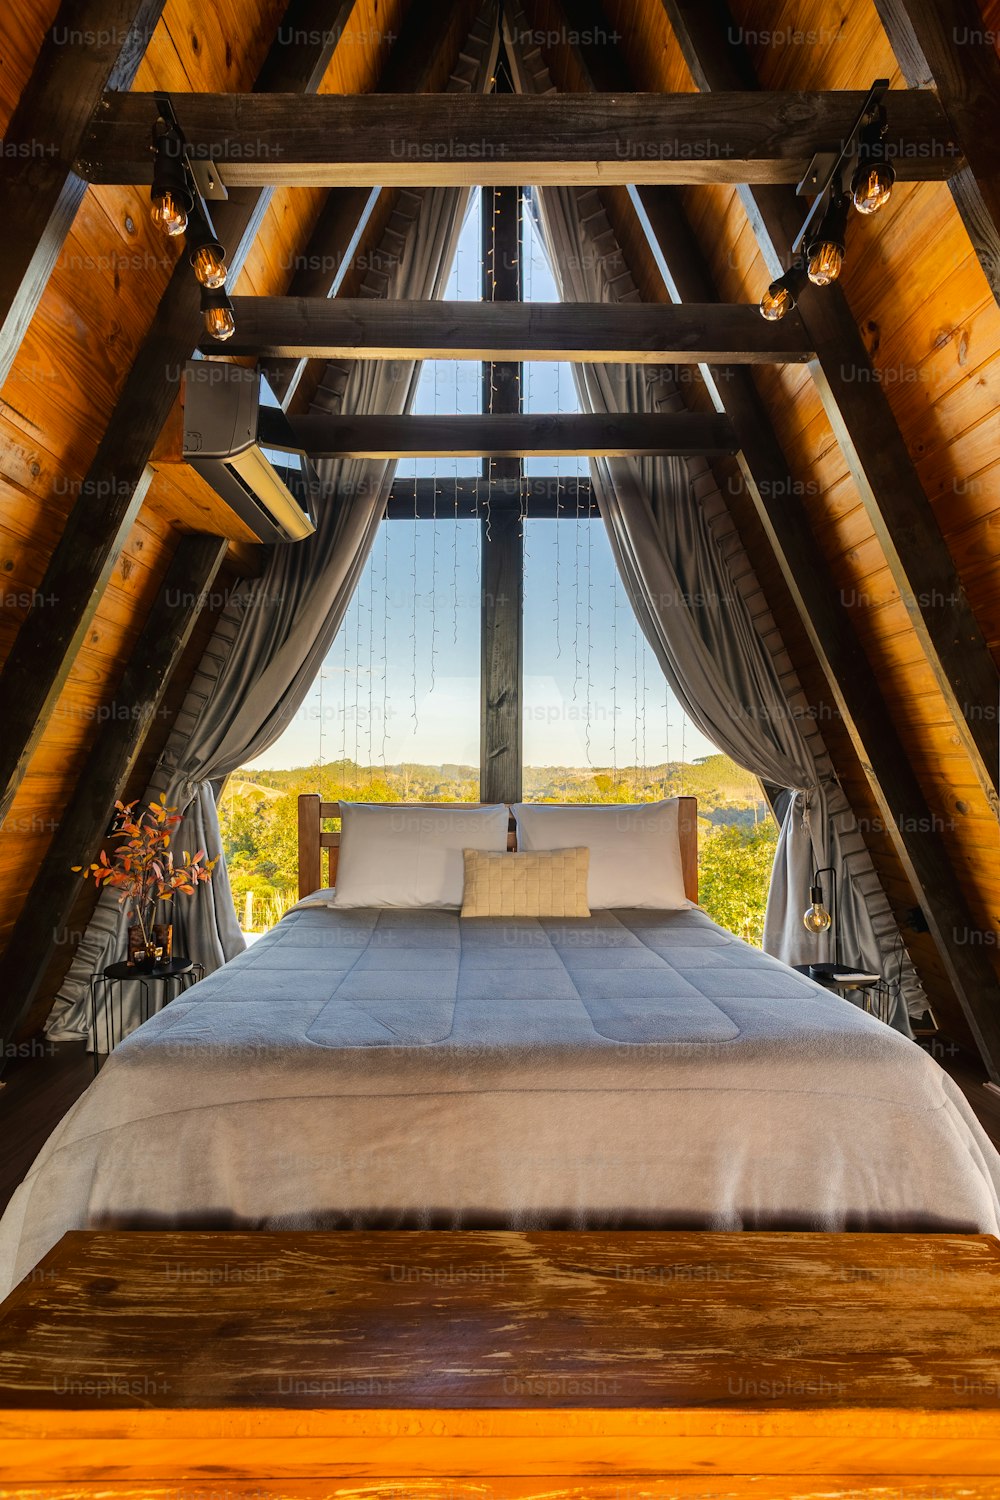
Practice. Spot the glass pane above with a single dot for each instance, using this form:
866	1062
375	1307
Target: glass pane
392	716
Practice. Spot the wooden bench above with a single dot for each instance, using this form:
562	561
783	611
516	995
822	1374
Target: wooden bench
212	1366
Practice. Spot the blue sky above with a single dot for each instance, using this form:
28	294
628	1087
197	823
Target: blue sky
401	681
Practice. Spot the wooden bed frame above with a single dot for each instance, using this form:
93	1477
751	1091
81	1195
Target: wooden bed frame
313	839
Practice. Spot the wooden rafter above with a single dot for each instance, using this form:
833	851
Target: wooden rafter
863	422
454	140
111	493
636	333
39	199
617	435
77	839
936	47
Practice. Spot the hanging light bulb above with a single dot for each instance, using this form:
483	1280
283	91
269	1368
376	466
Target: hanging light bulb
217	314
873	177
816	919
204	250
782	295
168	213
170	195
826	252
871	186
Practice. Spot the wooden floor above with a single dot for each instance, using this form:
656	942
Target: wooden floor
47	1078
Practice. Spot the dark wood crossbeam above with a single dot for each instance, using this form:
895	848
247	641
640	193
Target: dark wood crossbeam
122	725
111	493
538	498
93	46
946	45
618	435
851	680
859	412
632	333
433	140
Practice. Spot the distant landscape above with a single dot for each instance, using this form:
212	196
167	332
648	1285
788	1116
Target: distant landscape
737	834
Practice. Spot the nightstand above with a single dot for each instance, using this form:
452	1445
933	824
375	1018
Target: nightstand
871	995
177	975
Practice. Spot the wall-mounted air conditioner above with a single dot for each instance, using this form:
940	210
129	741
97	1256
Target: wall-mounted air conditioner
222	441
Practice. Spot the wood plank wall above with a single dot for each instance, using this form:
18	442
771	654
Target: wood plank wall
91	321
933	331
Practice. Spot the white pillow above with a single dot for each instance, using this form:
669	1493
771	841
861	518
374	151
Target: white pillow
411	856
635	852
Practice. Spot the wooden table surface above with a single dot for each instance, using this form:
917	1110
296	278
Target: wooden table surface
502	1364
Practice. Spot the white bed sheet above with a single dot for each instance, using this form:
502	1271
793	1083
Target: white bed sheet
374	1068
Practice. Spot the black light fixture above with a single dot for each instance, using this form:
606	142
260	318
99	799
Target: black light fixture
180	208
819	918
171	195
204	250
871	185
217	313
826	251
783	294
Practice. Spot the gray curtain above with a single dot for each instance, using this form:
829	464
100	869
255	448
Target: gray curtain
698	623
275	630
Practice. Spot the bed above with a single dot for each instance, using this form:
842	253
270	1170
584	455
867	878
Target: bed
380	1068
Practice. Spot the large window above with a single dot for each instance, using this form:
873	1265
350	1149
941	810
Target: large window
401	709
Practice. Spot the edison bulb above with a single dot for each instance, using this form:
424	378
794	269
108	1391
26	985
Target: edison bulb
219	322
209	267
817	919
168	214
871	187
776	302
825	261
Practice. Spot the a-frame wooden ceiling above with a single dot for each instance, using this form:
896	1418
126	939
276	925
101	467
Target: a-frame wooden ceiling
867	484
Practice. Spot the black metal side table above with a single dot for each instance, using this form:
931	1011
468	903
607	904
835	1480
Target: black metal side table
874	994
176	976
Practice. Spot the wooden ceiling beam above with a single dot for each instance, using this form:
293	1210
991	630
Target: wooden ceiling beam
619	435
41	190
945	45
560	139
131	713
636	333
112	491
862	419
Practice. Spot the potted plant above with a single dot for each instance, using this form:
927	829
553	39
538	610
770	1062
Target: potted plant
143	869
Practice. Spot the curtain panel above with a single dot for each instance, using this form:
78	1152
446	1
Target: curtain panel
275	631
698	624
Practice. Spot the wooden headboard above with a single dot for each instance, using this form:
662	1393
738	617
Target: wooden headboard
313	839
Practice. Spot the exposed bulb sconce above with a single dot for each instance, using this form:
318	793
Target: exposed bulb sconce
871	185
817	919
826	251
179	208
217	314
171	196
782	295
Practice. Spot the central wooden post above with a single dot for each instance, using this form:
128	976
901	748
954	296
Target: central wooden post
503	543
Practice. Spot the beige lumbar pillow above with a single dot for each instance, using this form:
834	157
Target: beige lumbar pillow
550	884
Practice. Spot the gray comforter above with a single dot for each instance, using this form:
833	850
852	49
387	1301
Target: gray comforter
406	1067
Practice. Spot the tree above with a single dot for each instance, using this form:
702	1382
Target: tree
734	872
